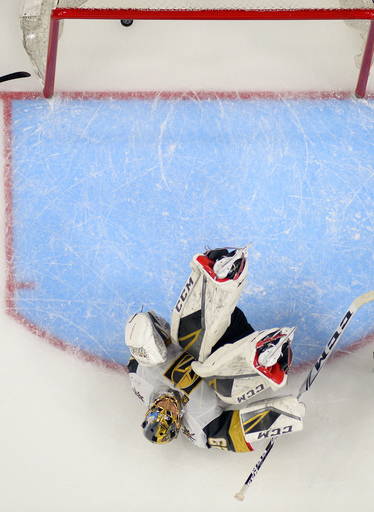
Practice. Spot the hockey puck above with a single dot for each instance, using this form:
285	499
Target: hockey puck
127	23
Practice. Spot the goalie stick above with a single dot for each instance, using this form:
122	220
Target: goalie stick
319	364
14	76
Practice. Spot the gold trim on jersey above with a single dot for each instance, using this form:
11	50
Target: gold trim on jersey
181	374
236	434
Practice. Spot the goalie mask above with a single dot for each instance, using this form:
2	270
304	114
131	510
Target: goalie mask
163	419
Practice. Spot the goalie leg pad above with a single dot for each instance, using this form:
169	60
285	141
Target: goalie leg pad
229	361
203	311
272	418
240	390
240	359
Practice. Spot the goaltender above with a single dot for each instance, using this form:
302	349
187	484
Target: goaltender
199	376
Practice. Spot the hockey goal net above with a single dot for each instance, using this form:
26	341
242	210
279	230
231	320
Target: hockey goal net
42	21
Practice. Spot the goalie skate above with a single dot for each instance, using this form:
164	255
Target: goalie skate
231	265
270	349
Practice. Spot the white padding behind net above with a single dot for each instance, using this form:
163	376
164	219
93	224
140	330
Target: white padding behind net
35	15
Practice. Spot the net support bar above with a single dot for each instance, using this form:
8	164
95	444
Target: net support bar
214	14
367	59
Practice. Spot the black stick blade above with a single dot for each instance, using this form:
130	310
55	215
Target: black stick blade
14	76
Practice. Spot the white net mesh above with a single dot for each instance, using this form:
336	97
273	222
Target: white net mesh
35	21
35	15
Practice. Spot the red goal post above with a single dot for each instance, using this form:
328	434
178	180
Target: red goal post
45	17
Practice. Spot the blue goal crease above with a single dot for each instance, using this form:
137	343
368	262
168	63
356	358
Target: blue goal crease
111	199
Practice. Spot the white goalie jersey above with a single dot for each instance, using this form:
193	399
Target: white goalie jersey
207	421
202	405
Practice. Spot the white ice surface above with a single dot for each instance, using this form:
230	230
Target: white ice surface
69	430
